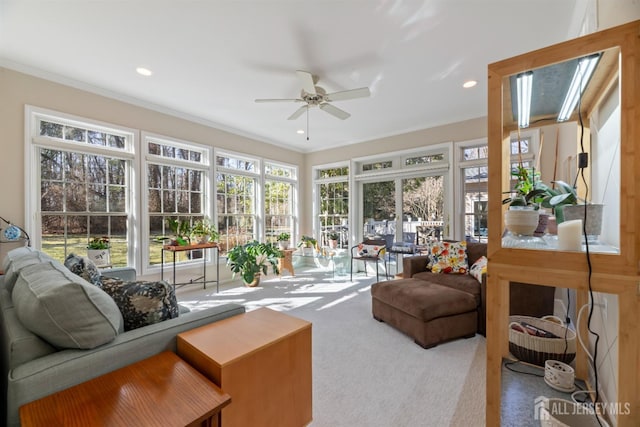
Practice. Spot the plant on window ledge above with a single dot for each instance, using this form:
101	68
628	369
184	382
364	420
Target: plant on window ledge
99	243
203	231
181	231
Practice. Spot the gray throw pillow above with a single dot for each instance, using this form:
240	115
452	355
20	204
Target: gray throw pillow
14	254
17	264
142	303
64	309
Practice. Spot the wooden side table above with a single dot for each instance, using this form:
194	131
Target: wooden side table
286	261
263	359
162	390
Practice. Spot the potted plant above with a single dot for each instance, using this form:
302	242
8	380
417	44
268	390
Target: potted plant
253	259
307	243
283	240
181	231
203	231
333	239
522	217
99	251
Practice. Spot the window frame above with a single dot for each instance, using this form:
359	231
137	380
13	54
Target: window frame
34	142
318	232
204	166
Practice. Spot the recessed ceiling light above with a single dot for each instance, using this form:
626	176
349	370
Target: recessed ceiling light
300	131
144	71
469	83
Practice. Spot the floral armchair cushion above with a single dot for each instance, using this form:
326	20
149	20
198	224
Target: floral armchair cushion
371	250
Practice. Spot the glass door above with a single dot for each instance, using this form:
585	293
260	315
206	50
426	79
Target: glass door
423	207
417	202
379	210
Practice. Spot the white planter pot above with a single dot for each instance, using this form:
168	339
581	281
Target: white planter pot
100	257
522	222
283	244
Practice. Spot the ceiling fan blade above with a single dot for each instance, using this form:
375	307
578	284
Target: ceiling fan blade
362	92
298	112
306	79
334	111
280	100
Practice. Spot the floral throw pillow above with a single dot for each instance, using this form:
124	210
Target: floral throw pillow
479	268
142	303
370	250
449	257
83	267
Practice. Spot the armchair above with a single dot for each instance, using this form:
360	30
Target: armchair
370	250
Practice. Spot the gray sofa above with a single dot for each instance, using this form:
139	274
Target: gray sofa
33	367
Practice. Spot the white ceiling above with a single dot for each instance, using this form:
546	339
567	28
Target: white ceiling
211	59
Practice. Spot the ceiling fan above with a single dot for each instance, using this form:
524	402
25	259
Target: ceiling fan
313	96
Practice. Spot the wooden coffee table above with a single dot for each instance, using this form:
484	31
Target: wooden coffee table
263	359
162	390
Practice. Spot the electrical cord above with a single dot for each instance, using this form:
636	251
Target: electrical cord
590	267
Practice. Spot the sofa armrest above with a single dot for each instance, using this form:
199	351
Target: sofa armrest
413	264
128	274
66	368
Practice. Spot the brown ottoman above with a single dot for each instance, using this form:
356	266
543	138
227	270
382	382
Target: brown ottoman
427	312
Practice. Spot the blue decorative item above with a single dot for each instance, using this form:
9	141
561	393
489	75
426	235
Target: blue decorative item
12	233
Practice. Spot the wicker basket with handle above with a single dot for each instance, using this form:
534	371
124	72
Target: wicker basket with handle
536	350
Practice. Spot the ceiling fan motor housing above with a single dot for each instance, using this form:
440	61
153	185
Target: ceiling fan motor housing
314	99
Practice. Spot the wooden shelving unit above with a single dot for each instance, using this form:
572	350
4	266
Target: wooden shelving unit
611	273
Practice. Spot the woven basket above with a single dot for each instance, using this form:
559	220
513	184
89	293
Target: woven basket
537	350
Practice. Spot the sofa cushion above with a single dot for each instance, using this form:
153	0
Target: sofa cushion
64	309
14	254
479	268
449	257
461	282
83	267
21	345
142	303
17	264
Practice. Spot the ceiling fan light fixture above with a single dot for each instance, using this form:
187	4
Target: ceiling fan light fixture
581	77
524	85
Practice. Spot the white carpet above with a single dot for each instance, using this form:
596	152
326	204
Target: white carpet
365	373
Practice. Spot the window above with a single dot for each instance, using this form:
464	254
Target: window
279	191
332	191
473	156
472	163
84	175
177	173
408	201
236	200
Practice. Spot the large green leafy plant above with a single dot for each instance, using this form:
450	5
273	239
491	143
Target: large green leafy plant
253	258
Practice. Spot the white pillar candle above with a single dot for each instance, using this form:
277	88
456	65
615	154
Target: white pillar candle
570	235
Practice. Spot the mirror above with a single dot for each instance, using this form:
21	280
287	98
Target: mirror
549	150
